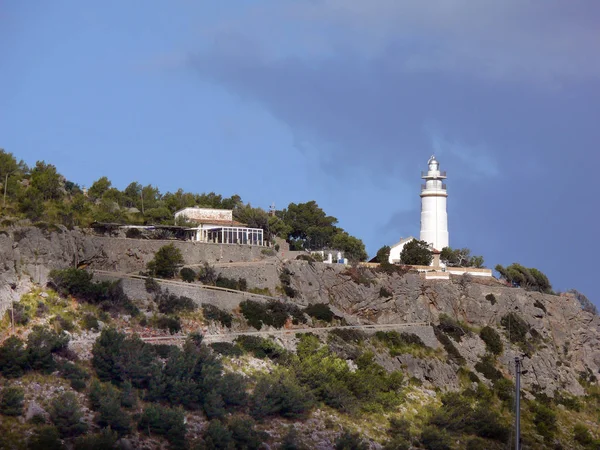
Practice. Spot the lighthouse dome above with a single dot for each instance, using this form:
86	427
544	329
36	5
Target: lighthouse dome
433	163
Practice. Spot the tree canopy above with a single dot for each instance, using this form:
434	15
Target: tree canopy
166	262
460	257
416	253
528	278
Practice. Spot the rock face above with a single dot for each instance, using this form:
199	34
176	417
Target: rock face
570	337
568	342
28	254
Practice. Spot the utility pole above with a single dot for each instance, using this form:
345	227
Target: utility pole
517	403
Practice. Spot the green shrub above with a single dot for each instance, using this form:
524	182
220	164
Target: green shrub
11	401
268	252
492	340
516	328
582	435
487	369
21	312
173	304
245	435
45	438
61	323
212	312
227	349
308	258
66	415
166	422
320	311
229	283
207	275
539	305
451	327
165	262
170	323
491	298
273	313
285	277
105	439
544	419
435	439
349	334
505	390
216	436
133	233
453	353
41	344
279	393
13	358
385	293
75	374
152	286
89	322
261	347
350	441
162	350
291	440
187	274
78	283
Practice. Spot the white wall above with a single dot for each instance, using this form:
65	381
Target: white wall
206	214
434	221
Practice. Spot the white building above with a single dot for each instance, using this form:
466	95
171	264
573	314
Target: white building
434	218
217	226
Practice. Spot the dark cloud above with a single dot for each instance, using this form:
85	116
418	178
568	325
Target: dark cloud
517	151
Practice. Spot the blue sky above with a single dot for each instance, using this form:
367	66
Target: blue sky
333	100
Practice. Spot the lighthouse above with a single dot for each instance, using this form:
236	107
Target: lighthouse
434	218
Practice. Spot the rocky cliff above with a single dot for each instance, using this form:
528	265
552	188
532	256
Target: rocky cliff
565	341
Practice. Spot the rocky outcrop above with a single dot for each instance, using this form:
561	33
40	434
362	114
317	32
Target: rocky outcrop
27	254
567	343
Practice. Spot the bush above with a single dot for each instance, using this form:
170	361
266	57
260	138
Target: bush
89	322
105	439
399	343
216	436
451	327
285	277
229	283
280	393
166	422
492	340
133	233
320	311
187	274
350	441
261	347
173	304
212	312
207	275
66	415
516	328
385	293
245	435
582	435
273	313
11	403
491	298
75	374
487	369
45	438
170	323
226	349
151	285
13	358
166	261
544	419
349	334
453	353
434	439
41	344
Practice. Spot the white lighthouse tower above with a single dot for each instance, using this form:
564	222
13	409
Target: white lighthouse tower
434	219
